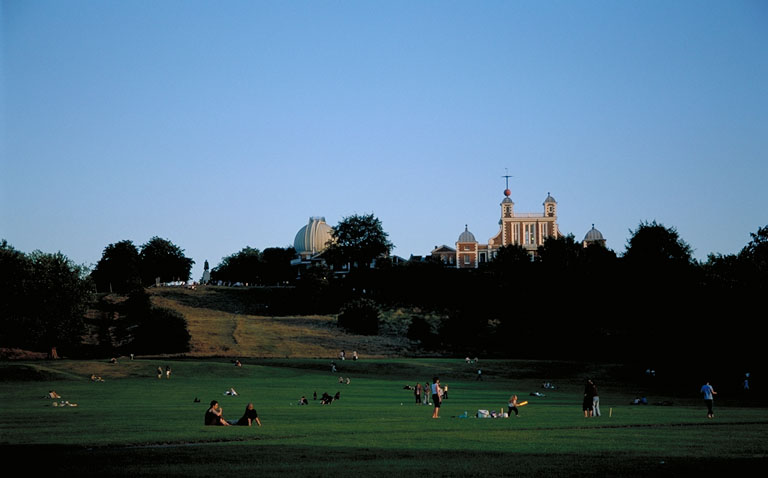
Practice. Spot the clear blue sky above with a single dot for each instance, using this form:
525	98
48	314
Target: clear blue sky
220	125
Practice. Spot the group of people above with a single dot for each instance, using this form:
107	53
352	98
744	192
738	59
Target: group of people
343	355
167	372
422	394
214	416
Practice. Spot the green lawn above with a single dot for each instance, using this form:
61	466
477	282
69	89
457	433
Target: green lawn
133	424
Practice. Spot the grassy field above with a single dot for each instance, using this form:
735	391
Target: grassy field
133	424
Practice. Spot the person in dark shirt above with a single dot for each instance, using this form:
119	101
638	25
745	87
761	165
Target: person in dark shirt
249	417
214	415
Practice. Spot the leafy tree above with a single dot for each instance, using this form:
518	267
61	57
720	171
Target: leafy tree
163	260
148	329
654	245
118	269
57	295
360	316
754	257
16	273
243	266
276	265
559	252
358	240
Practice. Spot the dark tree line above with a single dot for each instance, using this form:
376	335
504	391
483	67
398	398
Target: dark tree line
49	303
123	267
253	267
43	302
573	302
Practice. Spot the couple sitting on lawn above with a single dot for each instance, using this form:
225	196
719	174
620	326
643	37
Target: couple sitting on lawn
215	416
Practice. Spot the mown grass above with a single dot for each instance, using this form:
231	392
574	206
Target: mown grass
133	424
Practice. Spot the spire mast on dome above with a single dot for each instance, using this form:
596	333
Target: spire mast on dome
507	192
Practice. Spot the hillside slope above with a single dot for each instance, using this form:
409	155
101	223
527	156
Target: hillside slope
219	328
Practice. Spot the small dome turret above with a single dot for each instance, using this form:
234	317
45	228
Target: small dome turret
466	236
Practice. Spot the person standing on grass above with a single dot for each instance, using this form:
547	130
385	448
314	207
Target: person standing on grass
417	393
709	398
586	403
425	394
512	406
595	399
437	395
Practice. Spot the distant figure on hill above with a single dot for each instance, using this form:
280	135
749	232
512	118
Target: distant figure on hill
215	415
159	372
249	417
479	375
168	371
314	396
354	355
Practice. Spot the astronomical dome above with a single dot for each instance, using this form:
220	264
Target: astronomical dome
593	235
312	238
466	236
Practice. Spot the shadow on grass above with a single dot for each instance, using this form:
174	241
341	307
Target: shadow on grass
192	460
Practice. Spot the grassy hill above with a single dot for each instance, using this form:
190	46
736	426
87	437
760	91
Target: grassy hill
230	322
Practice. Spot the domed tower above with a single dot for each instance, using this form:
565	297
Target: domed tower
550	206
313	238
466	250
593	237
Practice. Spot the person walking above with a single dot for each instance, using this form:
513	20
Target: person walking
709	398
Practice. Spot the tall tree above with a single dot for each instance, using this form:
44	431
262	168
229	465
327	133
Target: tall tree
162	260
276	265
118	269
243	266
16	273
754	257
653	245
58	294
560	253
358	240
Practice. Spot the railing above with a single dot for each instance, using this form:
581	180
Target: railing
528	214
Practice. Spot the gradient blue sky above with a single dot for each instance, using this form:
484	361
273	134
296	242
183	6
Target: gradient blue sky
220	125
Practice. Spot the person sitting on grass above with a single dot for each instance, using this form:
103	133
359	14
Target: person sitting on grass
326	399
215	415
303	400
249	417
